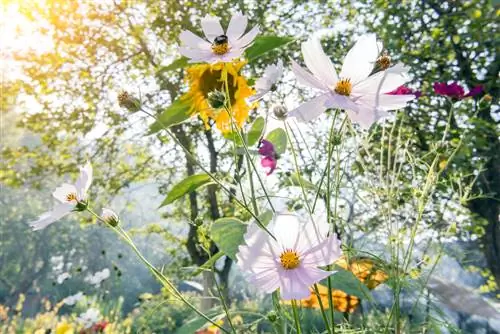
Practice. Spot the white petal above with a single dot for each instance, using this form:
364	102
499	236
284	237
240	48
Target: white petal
323	254
291	286
190	40
50	217
246	39
286	229
341	102
382	82
366	116
311	109
312	234
211	27
234	53
385	102
267	281
306	78
63	191
237	26
360	60
84	181
196	55
318	62
310	275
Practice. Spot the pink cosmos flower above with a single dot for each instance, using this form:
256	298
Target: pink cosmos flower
290	261
455	91
269	159
403	90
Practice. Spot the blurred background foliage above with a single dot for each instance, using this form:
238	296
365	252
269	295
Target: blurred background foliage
59	108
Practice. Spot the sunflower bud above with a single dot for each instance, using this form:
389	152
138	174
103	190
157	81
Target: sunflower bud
110	217
216	99
279	111
127	101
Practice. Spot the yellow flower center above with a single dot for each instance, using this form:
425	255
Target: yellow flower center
71	197
343	87
289	259
220	45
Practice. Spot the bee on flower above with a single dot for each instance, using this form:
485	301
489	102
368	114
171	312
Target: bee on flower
361	95
218	46
71	197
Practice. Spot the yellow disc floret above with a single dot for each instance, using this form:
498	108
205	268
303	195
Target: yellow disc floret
289	259
343	87
71	197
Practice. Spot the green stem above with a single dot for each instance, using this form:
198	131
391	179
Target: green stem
296	316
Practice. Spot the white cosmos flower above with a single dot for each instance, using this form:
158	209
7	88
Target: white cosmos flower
354	90
89	317
69	196
265	84
98	277
218	46
291	261
73	299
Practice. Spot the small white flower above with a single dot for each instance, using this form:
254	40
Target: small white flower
69	196
291	261
266	83
218	46
110	217
98	277
362	95
72	300
62	277
89	317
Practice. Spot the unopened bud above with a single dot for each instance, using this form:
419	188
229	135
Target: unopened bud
127	101
272	316
110	217
216	99
279	111
487	98
383	62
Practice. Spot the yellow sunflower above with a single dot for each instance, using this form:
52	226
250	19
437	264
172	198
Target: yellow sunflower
206	84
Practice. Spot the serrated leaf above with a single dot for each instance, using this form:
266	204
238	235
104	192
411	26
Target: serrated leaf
177	113
187	185
256	131
264	44
346	281
278	138
227	233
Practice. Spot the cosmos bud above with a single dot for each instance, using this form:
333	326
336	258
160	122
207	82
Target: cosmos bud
216	99
279	111
110	217
272	316
127	101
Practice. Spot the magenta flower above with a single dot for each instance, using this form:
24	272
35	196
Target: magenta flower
290	260
269	159
403	90
455	91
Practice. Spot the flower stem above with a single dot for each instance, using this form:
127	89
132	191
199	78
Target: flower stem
296	316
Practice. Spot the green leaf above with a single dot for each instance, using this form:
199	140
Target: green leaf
296	180
176	64
278	138
264	44
177	113
227	233
256	131
191	183
346	281
234	137
198	322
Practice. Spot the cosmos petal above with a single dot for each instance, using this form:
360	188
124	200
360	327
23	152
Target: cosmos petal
246	39
286	229
84	181
211	27
63	191
237	26
323	253
382	82
47	218
306	78
192	41
291	286
310	109
360	60
318	62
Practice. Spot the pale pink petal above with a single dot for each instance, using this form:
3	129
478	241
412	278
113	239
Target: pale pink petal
211	27
84	181
291	286
306	78
190	40
312	233
246	39
382	82
286	229
232	54
310	275
237	26
385	102
360	60
63	191
318	62
366	116
341	102
323	253
267	281
196	55
311	109
47	218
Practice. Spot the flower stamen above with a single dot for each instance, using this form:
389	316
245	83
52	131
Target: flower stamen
71	197
220	45
289	259
343	87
